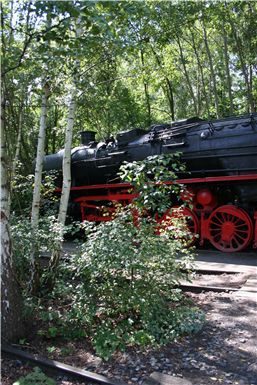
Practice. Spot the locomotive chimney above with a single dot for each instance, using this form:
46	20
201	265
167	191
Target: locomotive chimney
87	137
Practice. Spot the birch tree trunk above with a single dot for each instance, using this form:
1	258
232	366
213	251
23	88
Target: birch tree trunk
66	169
18	143
16	157
67	161
229	85
213	75
55	257
34	282
239	44
11	302
202	75
147	97
169	88
189	85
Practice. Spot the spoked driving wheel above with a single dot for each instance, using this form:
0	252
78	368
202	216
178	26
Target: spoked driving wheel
192	222
230	229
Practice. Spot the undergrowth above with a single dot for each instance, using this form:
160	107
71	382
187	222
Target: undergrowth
121	289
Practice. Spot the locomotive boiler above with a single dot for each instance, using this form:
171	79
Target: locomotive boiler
221	156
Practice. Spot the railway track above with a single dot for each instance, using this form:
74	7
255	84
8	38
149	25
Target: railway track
237	272
59	368
241	270
211	263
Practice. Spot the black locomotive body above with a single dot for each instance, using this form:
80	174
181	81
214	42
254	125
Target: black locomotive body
220	155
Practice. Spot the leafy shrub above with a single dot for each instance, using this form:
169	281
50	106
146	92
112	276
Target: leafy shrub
45	240
121	290
37	377
22	194
149	179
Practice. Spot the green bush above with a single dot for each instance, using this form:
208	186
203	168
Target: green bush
37	377
22	194
121	290
44	240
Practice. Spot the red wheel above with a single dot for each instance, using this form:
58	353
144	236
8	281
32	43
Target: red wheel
230	229
176	212
192	220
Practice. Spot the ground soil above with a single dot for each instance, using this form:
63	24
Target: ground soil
224	352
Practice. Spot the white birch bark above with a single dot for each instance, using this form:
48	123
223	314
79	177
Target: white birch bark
68	142
66	185
18	143
34	280
16	157
11	322
226	55
39	160
3	175
67	161
212	72
189	84
41	144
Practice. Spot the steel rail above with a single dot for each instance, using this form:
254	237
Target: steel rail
60	367
199	288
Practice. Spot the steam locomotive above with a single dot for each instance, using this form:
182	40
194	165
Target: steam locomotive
221	156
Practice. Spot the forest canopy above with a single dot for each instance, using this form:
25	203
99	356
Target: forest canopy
137	63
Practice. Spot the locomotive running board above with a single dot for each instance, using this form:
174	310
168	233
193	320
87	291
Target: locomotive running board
209	179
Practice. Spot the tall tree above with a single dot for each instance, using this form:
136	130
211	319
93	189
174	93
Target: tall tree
66	167
228	75
212	71
11	302
34	283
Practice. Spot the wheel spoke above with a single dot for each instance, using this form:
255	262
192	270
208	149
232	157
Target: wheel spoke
241	225
236	241
230	228
217	219
235	220
237	236
246	231
215	223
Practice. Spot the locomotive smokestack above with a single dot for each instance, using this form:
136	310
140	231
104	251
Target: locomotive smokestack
87	137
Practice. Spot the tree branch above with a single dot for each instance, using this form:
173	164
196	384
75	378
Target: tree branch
27	43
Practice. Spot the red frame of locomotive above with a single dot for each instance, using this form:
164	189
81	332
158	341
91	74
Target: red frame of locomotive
119	192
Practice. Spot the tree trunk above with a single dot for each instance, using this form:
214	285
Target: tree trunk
169	88
18	143
67	161
170	95
11	301
189	85
229	85
66	169
55	257
202	75
249	102
147	97
213	76
16	156
53	139
34	283
253	107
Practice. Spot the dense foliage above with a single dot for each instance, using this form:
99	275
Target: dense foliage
121	288
37	377
139	63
